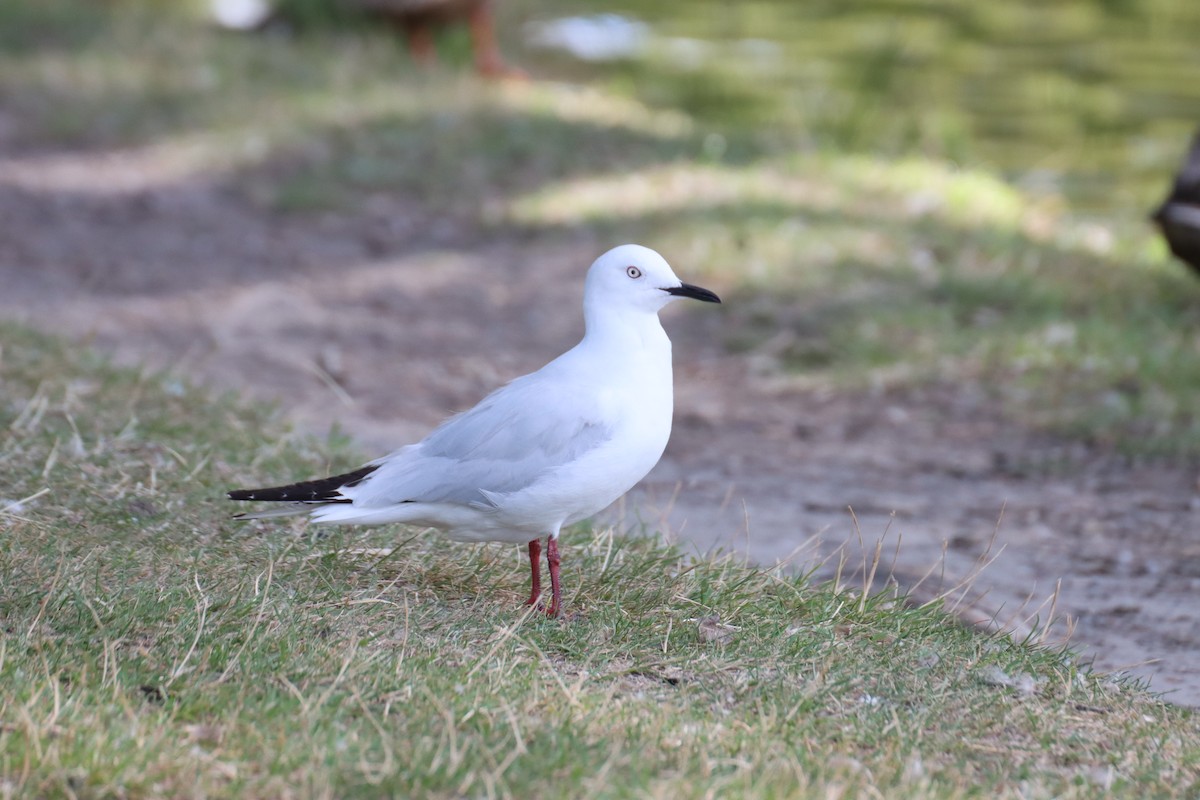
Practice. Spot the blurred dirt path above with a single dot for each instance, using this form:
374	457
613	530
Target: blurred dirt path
385	321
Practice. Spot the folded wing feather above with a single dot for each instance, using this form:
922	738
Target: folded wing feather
515	436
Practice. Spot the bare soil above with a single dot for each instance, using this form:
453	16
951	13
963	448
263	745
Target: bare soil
385	320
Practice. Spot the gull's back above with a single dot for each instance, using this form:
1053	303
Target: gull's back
552	447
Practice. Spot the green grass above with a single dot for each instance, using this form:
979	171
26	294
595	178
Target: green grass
153	647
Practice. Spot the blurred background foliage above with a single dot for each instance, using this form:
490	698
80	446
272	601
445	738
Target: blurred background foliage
1091	98
894	191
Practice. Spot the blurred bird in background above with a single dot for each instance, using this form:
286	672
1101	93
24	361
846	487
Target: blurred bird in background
416	20
1179	215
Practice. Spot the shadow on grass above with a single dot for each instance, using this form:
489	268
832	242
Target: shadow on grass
321	158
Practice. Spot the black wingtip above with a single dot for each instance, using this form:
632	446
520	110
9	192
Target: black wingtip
322	490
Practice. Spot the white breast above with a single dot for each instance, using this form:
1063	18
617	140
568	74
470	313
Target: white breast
639	407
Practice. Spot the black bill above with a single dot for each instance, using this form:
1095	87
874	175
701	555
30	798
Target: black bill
694	292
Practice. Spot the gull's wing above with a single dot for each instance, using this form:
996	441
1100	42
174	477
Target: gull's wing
515	435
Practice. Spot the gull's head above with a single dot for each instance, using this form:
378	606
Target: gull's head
636	277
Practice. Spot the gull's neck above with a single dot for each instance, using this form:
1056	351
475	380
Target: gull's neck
631	330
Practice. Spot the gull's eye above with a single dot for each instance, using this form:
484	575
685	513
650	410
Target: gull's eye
633	272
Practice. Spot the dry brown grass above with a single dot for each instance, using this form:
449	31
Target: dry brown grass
154	648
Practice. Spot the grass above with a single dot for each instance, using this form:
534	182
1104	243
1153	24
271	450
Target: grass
153	647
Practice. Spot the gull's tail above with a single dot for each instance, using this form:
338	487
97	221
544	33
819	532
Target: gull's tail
300	498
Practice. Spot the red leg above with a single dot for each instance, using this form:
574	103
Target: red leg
552	559
535	567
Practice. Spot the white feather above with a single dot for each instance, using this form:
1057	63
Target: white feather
552	447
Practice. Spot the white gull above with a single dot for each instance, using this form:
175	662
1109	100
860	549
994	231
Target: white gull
546	450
